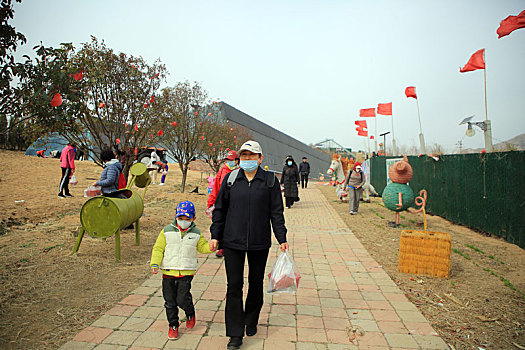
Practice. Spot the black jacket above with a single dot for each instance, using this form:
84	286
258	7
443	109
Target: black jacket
304	168
243	221
289	180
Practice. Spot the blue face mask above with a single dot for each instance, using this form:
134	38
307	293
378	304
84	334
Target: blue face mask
248	165
231	164
289	163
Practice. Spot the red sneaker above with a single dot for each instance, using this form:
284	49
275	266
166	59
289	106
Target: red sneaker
190	322
220	253
173	333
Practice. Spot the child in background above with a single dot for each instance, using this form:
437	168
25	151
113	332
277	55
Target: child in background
175	252
164	168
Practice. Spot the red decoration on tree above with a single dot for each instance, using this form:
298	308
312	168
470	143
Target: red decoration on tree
411	92
384	108
228	149
210	144
146	105
196	114
234	137
220	142
204	133
202	137
510	24
118	141
126	124
476	61
136	127
174	124
56	100
101	105
152	99
151	136
160	133
78	76
209	114
367	112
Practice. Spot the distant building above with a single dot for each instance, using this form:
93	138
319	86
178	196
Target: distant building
277	145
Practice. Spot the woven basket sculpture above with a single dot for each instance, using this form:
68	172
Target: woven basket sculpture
424	253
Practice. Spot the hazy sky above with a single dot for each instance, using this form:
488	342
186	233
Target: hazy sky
307	67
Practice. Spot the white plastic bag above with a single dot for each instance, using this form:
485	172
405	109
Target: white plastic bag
209	211
285	275
73	180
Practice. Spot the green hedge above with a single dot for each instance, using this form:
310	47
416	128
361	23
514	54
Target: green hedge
482	191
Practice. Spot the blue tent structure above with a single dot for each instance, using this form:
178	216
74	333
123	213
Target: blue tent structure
50	142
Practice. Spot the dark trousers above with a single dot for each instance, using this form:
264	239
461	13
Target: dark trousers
289	201
304	180
176	292
237	316
64	181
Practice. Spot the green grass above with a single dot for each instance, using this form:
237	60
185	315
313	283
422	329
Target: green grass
505	281
45	250
375	212
465	255
475	248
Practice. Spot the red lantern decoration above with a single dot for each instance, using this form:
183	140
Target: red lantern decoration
200	123
126	124
146	105
174	124
136	127
228	149
202	137
209	114
204	133
160	133
234	137
151	136
118	141
220	142
210	144
196	113
56	100
78	76
152	99
101	105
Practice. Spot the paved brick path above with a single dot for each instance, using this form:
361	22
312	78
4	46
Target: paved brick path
342	288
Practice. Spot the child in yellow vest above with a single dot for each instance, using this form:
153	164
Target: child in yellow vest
175	253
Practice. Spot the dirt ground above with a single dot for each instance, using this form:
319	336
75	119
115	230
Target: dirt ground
48	295
481	305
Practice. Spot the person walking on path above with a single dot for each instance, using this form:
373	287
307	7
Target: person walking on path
232	163
290	180
246	205
67	163
175	253
354	182
109	179
304	171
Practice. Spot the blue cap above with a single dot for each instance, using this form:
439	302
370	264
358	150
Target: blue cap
185	208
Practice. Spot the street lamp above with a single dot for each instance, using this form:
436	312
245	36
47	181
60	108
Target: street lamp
384	140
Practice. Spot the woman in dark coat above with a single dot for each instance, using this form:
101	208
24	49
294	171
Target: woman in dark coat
290	179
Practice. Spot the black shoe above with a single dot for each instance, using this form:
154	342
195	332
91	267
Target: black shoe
60	195
251	331
234	343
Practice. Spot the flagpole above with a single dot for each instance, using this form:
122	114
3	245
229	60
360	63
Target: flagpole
394	148
375	133
421	137
485	81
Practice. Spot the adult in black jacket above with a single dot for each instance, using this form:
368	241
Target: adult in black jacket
241	222
304	171
290	180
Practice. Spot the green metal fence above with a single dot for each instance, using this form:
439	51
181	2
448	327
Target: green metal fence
481	191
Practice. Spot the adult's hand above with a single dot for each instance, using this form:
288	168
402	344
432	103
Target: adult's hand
214	244
284	246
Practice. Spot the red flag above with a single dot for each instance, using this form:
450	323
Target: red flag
411	92
56	100
510	24
384	108
368	112
362	132
372	137
361	123
476	61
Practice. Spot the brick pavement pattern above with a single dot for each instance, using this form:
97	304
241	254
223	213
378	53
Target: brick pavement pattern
343	293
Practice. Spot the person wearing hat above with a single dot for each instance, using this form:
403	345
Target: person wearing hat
232	163
354	182
304	171
175	253
246	207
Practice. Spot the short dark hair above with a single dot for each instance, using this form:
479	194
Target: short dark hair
107	155
305	158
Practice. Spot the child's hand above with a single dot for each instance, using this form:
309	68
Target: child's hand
155	270
214	244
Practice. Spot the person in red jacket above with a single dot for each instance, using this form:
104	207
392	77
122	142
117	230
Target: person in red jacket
232	163
67	163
